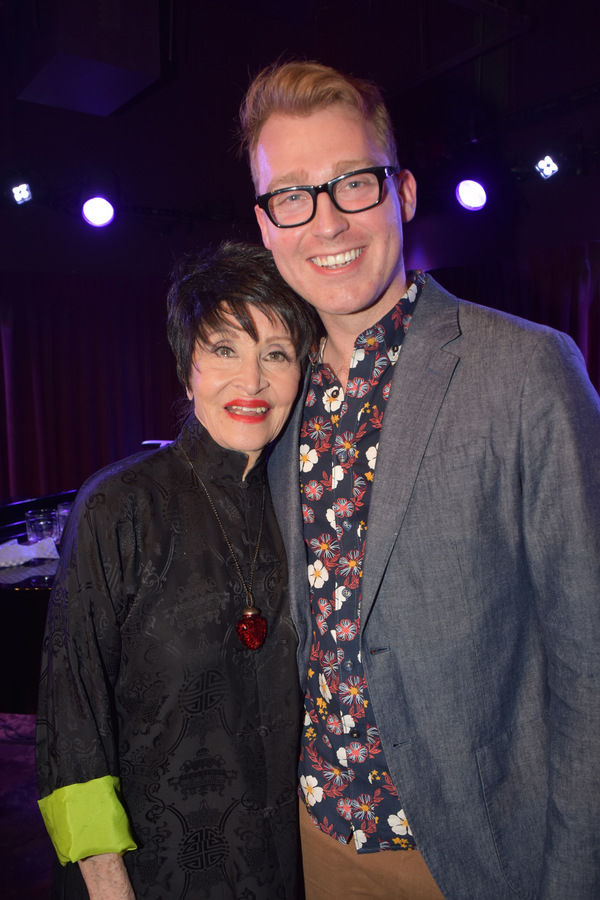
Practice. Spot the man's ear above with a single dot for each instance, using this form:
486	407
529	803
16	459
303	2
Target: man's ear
407	191
263	219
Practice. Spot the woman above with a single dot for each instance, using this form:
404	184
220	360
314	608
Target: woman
169	704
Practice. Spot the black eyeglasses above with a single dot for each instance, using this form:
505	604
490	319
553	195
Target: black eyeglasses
350	193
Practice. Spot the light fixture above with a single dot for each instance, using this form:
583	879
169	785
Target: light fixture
471	195
21	193
100	198
98	211
546	167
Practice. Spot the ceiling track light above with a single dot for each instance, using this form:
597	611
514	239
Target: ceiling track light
546	167
100	198
471	195
98	211
21	193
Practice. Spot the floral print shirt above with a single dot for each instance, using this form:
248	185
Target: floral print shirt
343	772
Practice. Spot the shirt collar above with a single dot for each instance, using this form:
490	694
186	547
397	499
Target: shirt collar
393	325
216	462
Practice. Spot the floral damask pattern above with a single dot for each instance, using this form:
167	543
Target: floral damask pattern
144	675
343	772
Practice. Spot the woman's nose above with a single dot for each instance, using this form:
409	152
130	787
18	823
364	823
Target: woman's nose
251	376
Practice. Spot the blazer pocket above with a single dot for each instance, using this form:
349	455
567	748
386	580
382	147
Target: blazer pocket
512	770
443	462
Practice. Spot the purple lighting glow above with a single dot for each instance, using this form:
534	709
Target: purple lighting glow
98	212
471	195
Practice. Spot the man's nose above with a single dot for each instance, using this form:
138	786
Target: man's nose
328	220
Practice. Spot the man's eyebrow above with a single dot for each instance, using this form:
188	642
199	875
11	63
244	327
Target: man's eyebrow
300	177
288	179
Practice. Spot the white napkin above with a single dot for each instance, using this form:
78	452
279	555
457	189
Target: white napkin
14	554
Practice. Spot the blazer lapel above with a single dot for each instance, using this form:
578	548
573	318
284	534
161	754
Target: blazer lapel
421	378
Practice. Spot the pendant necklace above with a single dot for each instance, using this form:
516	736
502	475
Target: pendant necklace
252	627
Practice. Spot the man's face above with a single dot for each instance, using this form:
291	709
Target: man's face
343	264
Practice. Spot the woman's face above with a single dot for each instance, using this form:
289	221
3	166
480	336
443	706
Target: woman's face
243	390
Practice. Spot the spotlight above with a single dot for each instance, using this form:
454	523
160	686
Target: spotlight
98	211
100	198
471	195
21	193
546	167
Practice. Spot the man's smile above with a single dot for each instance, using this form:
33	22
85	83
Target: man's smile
337	260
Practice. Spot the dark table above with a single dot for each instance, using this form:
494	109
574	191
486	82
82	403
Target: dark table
24	593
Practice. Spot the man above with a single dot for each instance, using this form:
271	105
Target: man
446	593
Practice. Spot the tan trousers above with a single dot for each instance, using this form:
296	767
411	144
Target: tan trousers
334	870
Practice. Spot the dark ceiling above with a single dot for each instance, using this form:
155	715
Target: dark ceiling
466	81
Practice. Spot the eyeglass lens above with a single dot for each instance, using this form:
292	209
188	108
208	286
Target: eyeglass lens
352	194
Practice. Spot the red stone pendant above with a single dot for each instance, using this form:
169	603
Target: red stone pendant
252	628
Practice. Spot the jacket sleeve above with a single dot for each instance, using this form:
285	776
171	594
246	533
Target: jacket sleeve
561	524
87	819
77	752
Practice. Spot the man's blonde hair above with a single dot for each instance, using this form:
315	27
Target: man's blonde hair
299	88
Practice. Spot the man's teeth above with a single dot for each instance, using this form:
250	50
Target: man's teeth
336	260
249	410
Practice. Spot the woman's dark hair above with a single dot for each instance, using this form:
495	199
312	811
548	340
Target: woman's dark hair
210	286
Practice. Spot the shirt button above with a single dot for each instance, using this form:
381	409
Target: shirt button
343	457
268	812
355	733
263	731
348	665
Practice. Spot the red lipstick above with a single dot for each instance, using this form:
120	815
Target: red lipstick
241	410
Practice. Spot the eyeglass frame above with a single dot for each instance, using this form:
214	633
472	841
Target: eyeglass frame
380	172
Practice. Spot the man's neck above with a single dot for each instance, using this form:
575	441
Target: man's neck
343	330
337	354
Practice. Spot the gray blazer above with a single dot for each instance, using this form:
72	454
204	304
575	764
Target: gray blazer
480	609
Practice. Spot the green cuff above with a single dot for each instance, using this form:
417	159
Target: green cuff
86	819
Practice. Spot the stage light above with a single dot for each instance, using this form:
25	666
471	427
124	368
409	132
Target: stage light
98	211
100	198
22	193
471	195
546	167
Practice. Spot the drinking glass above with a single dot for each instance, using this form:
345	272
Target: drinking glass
62	514
40	524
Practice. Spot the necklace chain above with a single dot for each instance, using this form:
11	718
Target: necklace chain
247	587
